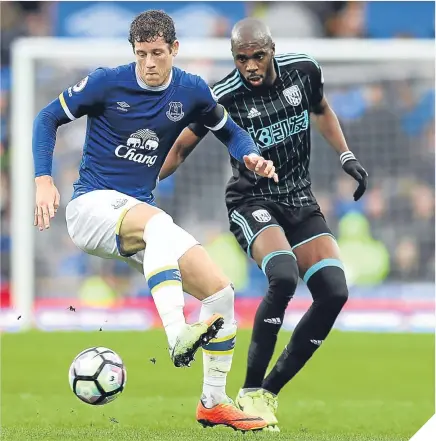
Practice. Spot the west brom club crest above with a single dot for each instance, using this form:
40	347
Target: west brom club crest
292	95
261	216
175	112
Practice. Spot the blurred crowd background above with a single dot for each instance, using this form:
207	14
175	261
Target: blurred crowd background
387	116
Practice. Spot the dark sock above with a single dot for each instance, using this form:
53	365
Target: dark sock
282	273
329	291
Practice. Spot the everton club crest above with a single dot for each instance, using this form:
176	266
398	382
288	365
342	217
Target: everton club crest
175	112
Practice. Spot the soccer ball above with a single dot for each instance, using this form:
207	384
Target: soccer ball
97	376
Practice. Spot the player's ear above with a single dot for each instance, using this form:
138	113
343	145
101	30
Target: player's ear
175	48
273	48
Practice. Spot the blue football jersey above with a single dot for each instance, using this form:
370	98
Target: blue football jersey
131	127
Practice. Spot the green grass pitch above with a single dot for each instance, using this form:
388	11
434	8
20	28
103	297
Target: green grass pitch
357	387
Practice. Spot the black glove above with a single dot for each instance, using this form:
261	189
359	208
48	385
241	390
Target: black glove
352	166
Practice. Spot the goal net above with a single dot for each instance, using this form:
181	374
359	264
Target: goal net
383	93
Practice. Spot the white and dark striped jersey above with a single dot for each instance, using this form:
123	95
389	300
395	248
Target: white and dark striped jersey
277	118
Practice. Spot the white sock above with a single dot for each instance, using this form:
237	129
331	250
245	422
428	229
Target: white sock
162	272
218	354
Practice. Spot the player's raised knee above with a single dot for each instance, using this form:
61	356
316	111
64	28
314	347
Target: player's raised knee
163	227
281	269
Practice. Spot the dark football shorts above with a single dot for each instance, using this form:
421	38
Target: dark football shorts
300	224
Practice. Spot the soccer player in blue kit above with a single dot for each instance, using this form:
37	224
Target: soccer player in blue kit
135	114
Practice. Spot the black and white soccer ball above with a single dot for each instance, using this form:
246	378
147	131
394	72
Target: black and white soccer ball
97	376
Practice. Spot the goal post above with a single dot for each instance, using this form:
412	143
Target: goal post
346	61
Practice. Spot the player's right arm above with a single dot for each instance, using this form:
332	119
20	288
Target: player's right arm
82	99
186	143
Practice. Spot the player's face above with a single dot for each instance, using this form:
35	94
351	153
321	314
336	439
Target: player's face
155	60
255	63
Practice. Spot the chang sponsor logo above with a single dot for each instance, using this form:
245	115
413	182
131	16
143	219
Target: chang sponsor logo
137	147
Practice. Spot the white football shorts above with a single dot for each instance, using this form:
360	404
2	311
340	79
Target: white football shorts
93	222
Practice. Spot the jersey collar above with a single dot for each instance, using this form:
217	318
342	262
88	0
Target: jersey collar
142	85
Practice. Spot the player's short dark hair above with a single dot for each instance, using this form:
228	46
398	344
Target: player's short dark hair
150	25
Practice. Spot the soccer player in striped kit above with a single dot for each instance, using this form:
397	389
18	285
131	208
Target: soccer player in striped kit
280	225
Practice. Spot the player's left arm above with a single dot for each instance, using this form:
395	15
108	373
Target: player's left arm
328	125
239	143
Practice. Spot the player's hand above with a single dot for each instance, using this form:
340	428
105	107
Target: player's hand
356	171
47	202
261	166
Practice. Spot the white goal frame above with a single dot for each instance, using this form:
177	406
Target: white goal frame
28	50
